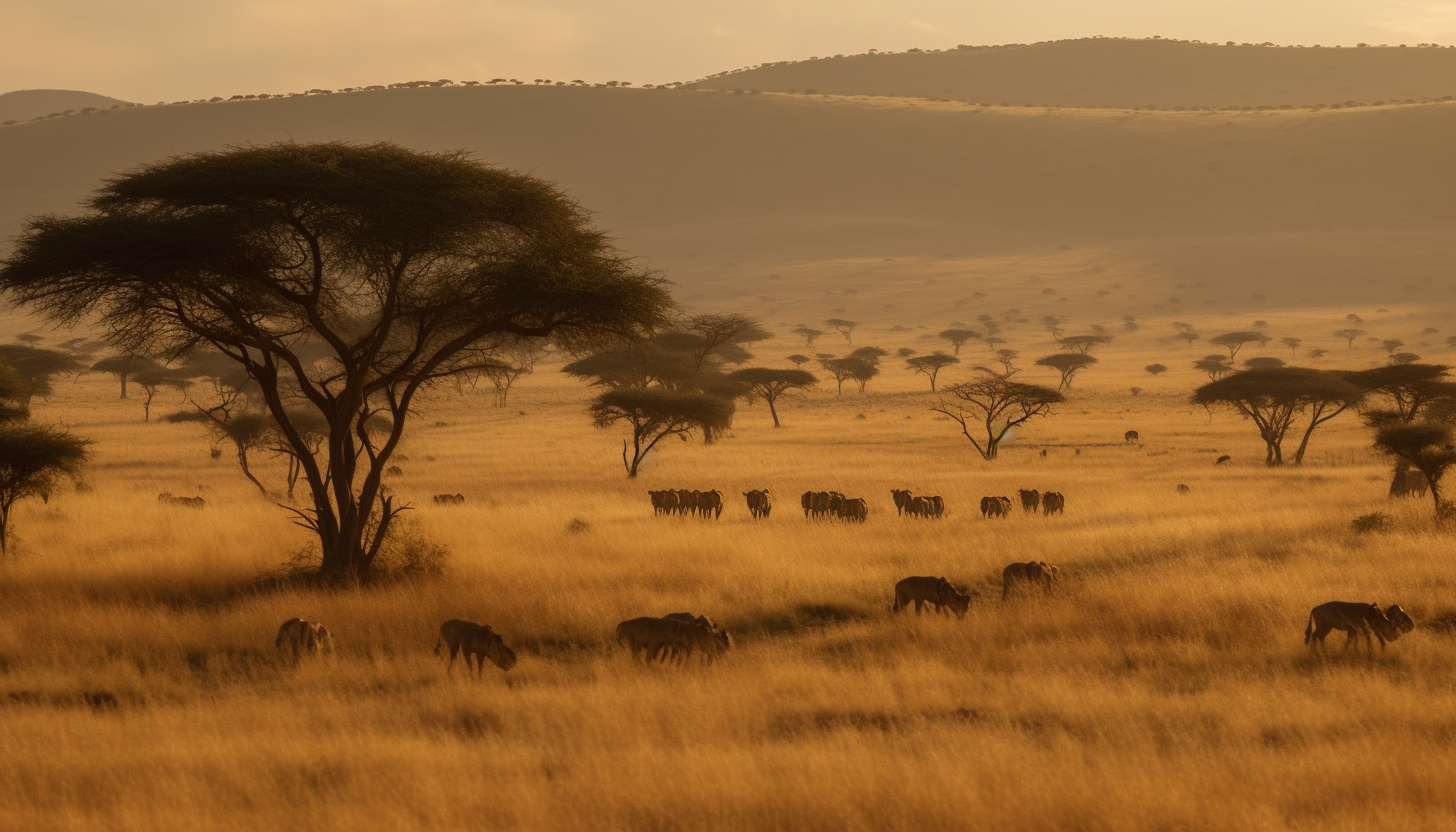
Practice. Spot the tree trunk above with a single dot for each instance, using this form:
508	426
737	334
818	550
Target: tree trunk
772	412
1400	481
243	464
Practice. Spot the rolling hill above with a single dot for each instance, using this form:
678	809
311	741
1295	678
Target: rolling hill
22	105
773	201
1119	72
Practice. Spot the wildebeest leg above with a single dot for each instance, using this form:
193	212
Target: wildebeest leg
919	606
454	648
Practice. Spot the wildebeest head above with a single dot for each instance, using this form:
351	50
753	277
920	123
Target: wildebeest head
1399	619
959	602
495	647
323	640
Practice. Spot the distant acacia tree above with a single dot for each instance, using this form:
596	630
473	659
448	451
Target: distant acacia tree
931	365
799	360
1068	364
1404	358
1216	366
1083	343
1235	341
906	352
770	385
1188	336
35	367
122	367
152	380
1053	325
1317	353
843	327
1349	335
32	457
1007	357
654	413
1293	345
1155	369
989	407
388	264
1263	362
957	337
808	334
1275	399
1391	345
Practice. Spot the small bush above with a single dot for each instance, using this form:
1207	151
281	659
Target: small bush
408	553
578	526
1373	522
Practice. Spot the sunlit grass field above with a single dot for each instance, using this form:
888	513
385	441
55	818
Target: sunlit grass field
1164	686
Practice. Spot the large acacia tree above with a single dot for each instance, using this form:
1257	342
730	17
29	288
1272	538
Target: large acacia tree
1275	399
994	405
342	279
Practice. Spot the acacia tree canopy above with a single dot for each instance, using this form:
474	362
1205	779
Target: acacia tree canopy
931	365
399	268
769	384
654	413
1068	364
1427	446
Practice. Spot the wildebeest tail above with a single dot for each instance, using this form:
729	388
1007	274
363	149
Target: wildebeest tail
1309	628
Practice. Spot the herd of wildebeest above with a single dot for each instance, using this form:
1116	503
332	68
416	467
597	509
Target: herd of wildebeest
819	504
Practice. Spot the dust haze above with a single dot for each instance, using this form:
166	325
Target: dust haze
1177	213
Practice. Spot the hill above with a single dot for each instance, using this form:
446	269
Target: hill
1117	72
727	192
22	105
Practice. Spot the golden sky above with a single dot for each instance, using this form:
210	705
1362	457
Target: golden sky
154	50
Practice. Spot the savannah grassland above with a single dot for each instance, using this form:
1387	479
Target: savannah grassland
1165	687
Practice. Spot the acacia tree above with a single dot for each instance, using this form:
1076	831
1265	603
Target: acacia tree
1349	335
35	367
387	264
799	360
1413	391
1273	399
1426	446
769	384
1068	364
1235	341
957	337
122	367
1216	366
1083	343
32	457
808	334
152	380
931	365
843	327
1155	369
654	413
995	405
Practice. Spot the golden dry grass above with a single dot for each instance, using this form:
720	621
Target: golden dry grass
1165	686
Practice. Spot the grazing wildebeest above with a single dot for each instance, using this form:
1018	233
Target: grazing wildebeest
1052	502
477	640
451	499
759	503
993	507
1030	499
821	503
919	507
1130	436
1221	460
836	504
935	591
710	504
166	499
937	506
807	501
1028	574
676	636
854	508
902	499
1183	489
297	637
1358	621
691	501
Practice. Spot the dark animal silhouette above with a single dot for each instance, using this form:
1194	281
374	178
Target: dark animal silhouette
1034	573
902	499
450	499
297	637
935	591
1358	621
477	640
1030	499
1130	436
759	503
678	635
1183	489
1221	460
1052	502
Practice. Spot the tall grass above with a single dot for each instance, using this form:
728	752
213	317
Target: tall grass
1165	684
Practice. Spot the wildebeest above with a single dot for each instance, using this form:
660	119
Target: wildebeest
821	503
1357	620
477	640
759	503
1030	499
935	591
449	499
919	507
1416	483
995	507
807	501
678	635
1130	436
297	637
1183	489
710	503
937	505
854	508
1052	502
1028	574
1221	460
394	471
166	499
902	499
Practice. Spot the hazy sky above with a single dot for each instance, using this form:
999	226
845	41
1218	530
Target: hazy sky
153	50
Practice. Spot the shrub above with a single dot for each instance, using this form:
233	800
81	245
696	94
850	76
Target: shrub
1373	522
